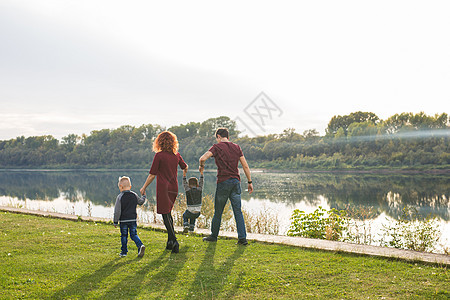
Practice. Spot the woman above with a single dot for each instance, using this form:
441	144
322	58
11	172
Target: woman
164	168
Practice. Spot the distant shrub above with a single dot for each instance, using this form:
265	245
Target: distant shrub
320	224
412	231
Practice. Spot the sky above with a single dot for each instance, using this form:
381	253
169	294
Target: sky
77	66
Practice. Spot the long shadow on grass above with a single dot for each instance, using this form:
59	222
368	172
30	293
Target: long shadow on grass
89	282
209	278
165	278
131	286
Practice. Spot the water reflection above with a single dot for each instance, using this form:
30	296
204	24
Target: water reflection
387	193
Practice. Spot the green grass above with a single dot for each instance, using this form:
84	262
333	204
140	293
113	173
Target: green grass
52	258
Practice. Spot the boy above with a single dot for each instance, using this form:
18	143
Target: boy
125	212
193	190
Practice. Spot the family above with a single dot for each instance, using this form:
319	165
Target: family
227	156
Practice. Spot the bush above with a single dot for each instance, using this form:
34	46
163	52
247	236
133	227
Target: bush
411	231
320	224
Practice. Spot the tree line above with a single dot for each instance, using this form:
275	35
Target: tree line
357	140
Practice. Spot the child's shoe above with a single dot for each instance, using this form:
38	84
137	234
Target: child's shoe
121	254
141	251
191	228
185	229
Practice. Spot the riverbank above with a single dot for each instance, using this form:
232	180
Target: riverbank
407	255
54	258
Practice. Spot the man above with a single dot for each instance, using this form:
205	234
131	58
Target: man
227	156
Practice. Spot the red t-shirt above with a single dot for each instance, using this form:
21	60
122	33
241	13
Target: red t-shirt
164	166
226	155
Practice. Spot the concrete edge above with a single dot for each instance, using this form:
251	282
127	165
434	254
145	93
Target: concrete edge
408	255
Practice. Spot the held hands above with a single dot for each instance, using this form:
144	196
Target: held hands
185	171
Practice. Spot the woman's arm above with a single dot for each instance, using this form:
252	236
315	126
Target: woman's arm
149	180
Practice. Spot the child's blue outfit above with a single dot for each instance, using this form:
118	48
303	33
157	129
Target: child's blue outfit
125	212
194	203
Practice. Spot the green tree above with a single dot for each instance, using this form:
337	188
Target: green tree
188	130
69	142
344	122
208	127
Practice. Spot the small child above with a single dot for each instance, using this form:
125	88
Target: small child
125	212
193	191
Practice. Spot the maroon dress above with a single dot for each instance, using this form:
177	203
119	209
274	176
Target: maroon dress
164	166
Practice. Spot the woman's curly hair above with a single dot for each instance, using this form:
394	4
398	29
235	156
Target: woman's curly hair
166	141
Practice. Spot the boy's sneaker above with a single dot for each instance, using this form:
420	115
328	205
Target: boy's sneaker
242	242
210	239
121	254
191	228
141	251
185	229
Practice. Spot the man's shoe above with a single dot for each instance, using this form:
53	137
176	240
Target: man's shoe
141	251
210	239
121	254
242	242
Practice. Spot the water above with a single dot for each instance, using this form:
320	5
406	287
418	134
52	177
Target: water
93	193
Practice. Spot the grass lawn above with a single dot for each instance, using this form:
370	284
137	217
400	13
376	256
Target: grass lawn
52	258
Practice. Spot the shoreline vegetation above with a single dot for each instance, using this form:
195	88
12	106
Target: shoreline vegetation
428	170
358	141
84	255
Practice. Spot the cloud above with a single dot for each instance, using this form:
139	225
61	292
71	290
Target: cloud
147	62
59	80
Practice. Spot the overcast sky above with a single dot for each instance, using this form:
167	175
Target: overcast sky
77	66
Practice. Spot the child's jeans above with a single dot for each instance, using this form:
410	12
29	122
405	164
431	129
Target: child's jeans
189	219
131	226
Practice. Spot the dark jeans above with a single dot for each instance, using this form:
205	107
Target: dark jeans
124	228
189	219
228	189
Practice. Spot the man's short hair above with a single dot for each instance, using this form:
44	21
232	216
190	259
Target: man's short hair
223	132
124	181
193	182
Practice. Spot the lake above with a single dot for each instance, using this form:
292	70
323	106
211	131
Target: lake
93	193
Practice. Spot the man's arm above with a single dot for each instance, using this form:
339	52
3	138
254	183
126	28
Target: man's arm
247	173
203	159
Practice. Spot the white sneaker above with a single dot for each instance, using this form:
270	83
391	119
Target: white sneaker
141	251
